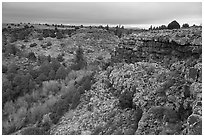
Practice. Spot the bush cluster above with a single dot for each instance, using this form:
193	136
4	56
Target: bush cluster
29	95
11	49
16	85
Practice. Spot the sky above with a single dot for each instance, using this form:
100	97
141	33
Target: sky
129	14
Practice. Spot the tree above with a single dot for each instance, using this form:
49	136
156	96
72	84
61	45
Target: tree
150	27
107	27
118	31
61	73
186	25
79	59
173	25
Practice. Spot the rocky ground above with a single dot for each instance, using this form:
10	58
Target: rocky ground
144	96
148	83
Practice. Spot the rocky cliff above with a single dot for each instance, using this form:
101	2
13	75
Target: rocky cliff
160	45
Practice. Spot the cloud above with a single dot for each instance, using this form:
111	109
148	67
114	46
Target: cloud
102	13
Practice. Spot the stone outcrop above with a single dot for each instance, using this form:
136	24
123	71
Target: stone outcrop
178	86
160	45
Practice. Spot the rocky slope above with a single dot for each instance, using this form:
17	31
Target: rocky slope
157	90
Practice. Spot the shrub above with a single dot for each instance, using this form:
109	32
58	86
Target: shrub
59	109
50	86
59	35
35	96
43	46
29	99
60	58
7	91
71	76
61	73
9	108
62	45
19	118
52	74
13	68
26	39
21	102
14	37
173	25
41	59
81	89
193	73
49	58
7	127
49	44
37	112
23	46
42	77
69	93
23	34
34	73
55	64
12	49
52	34
97	130
40	37
51	102
45	33
186	25
125	100
4	69
33	45
34	131
75	100
87	83
31	56
45	68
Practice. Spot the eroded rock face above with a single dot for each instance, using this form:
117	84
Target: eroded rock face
159	45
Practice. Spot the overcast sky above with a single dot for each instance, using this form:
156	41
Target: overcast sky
128	14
